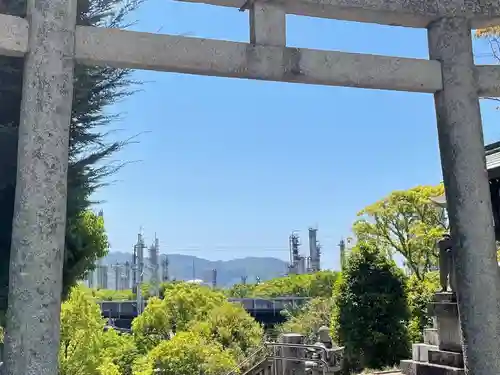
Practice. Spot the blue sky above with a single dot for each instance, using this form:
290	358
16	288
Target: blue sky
227	168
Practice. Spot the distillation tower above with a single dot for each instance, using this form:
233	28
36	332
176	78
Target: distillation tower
154	251
300	264
314	251
138	271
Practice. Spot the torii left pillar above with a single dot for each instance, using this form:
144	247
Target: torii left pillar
37	252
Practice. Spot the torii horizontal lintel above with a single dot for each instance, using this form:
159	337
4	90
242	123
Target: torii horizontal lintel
170	53
220	58
413	13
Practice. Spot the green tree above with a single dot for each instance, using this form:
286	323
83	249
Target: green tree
96	88
121	349
371	312
231	327
319	284
108	368
405	222
86	242
86	348
323	283
241	291
308	319
186	354
81	335
420	293
182	305
110	295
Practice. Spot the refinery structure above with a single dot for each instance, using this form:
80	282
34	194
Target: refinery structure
130	275
300	264
144	259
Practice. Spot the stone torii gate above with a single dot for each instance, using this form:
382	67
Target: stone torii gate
51	44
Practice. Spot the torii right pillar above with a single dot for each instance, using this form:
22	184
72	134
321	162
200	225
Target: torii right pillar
468	195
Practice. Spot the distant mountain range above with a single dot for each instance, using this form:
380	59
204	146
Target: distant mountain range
187	267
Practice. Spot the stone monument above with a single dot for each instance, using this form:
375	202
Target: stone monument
446	264
441	352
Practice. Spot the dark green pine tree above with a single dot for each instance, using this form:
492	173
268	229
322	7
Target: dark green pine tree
96	88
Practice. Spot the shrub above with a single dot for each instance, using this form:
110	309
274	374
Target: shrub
370	311
308	319
420	293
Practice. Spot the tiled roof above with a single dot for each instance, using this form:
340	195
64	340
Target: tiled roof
492	152
492	156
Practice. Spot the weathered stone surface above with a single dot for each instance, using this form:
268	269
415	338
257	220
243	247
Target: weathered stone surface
447	324
32	331
13	36
442	357
431	336
467	191
438	309
128	49
420	352
267	24
409	367
445	297
412	13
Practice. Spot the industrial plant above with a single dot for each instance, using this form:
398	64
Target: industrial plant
148	261
131	274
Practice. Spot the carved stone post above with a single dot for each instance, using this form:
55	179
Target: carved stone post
467	192
37	253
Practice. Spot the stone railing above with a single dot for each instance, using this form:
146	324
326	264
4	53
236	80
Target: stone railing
290	355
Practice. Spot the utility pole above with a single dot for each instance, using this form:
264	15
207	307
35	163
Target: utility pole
342	254
117	268
244	280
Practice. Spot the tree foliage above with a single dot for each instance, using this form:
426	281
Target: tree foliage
405	222
88	243
182	305
319	284
308	319
210	339
371	312
192	330
95	89
233	328
86	348
420	293
186	354
110	294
